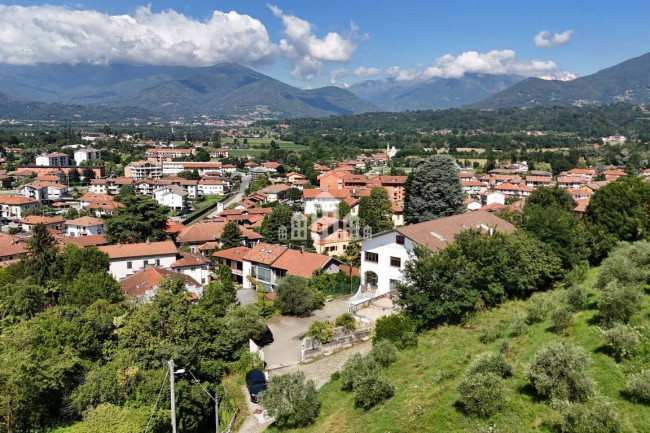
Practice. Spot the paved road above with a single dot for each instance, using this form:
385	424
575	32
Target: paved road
288	333
235	198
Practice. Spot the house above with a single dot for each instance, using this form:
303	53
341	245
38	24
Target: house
210	231
268	264
30	221
172	196
471	204
194	266
292	177
571	182
323	200
394	185
275	192
580	194
14	206
83	155
127	259
56	159
143	170
397	214
144	283
173	168
234	259
586	173
84	226
330	235
164	155
100	204
385	254
10	249
44	190
538	181
211	187
473	187
613	174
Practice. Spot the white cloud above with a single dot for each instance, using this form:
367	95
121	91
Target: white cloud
546	40
56	34
307	68
363	72
559	76
300	40
335	74
496	62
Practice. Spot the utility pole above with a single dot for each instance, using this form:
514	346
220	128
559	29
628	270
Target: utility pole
170	364
216	411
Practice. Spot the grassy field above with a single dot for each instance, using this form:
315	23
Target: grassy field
426	379
260	145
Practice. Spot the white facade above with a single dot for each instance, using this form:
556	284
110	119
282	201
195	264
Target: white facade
52	160
210	188
200	273
75	231
380	255
10	211
127	266
325	203
495	197
86	154
170	198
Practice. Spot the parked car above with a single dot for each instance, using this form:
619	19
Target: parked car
256	383
266	337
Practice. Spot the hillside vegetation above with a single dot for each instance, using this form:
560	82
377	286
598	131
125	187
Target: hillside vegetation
426	378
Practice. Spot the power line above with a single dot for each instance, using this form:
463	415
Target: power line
162	385
204	390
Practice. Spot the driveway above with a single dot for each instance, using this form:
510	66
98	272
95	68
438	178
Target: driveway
288	332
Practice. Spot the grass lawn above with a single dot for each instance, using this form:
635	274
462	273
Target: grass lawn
426	378
253	142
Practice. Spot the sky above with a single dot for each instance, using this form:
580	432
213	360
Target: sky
335	42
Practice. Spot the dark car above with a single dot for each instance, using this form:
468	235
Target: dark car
256	383
266	337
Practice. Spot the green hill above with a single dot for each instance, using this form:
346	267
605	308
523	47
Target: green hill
628	81
426	378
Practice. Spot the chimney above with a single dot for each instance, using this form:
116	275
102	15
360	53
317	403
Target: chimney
302	249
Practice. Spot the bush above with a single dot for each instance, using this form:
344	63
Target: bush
354	368
490	362
576	298
559	370
291	399
296	297
396	328
577	275
384	353
597	417
638	386
482	394
321	331
538	309
372	389
490	335
618	302
518	326
347	321
621	339
562	319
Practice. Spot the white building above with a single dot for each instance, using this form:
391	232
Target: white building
143	170
211	187
127	259
144	284
14	206
84	226
56	159
173	168
172	196
194	266
321	200
82	155
384	255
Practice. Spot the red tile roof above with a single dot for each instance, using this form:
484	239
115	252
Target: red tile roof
37	219
141	249
149	278
85	221
299	263
265	253
235	254
16	200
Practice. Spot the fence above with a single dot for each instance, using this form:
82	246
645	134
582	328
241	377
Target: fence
313	349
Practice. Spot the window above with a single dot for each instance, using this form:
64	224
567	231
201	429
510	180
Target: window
146	262
399	239
192	269
396	262
372	257
129	265
157	262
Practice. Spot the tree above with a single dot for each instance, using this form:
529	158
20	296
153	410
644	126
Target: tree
375	210
258	184
435	190
20	300
44	259
142	218
343	209
73	176
124	192
295	296
619	212
190	174
548	215
294	194
88	174
291	399
280	217
91	286
231	235
76	260
560	370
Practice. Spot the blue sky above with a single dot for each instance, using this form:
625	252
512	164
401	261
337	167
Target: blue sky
303	42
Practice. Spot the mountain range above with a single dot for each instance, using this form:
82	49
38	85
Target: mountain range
628	81
117	92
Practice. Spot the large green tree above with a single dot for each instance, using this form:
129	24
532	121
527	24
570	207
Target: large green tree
618	212
375	210
142	218
231	235
548	215
44	260
434	191
280	217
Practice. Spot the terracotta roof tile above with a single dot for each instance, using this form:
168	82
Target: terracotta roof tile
140	249
85	221
149	278
206	231
188	259
236	254
16	200
265	253
37	219
299	263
